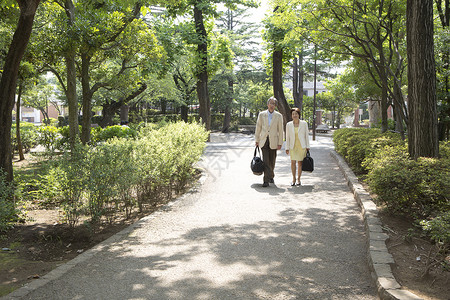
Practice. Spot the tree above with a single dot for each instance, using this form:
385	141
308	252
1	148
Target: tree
279	52
370	30
240	33
422	107
8	82
201	10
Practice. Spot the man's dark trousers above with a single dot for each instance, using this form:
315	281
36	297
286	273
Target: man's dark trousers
269	157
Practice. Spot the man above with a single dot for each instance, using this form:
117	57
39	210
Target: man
269	136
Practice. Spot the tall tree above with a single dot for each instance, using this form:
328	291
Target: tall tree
8	82
201	10
241	32
422	107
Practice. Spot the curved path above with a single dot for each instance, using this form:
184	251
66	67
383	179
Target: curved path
232	239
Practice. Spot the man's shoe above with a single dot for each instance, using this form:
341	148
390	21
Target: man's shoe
271	181
265	184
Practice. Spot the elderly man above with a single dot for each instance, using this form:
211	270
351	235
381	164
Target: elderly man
269	136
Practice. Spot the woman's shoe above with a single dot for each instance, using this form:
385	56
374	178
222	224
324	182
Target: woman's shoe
299	183
293	183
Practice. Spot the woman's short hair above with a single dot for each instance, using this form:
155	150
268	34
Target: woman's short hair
296	109
274	99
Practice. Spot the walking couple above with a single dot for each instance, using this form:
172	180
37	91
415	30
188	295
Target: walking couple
269	136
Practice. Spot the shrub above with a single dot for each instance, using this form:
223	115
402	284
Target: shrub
48	137
28	136
101	135
359	144
438	228
9	213
419	188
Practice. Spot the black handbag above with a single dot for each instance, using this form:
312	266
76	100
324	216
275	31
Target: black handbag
308	163
257	164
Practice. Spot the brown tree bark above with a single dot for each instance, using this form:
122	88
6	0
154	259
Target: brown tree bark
278	92
8	83
19	140
202	72
229	102
71	91
422	106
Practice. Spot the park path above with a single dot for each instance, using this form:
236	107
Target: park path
232	239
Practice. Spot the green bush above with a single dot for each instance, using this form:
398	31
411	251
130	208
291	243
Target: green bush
9	213
359	144
419	188
28	136
118	174
438	228
101	135
48	137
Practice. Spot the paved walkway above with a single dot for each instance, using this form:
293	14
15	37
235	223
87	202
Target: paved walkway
232	239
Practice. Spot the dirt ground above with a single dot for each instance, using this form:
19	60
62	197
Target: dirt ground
34	248
413	256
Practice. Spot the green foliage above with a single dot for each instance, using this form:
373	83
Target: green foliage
48	137
9	214
359	144
438	228
118	174
28	136
417	188
102	135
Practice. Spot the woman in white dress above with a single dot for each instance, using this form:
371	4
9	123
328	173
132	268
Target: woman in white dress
297	143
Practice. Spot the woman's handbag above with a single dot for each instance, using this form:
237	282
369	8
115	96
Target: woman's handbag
257	164
308	163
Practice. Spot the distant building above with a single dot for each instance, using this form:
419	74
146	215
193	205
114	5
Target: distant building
33	115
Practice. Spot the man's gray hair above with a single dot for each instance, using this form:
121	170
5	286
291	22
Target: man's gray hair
274	99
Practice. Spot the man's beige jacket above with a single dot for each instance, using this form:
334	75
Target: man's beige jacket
274	132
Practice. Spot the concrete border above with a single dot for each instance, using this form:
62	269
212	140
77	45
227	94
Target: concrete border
379	258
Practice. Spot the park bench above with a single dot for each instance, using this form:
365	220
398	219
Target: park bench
323	128
248	128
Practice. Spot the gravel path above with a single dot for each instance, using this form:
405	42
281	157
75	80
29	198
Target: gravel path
232	239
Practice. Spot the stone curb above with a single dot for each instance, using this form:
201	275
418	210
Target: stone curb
379	258
64	268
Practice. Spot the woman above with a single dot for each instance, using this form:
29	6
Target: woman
297	143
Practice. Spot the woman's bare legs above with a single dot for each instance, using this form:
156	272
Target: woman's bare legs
293	169
299	171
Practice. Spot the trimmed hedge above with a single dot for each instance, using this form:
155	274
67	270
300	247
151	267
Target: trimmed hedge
120	174
419	188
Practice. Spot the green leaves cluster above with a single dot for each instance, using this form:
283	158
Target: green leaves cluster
120	174
417	188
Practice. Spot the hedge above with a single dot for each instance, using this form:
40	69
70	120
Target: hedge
120	174
417	188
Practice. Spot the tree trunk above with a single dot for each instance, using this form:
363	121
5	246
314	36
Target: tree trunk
19	141
108	111
87	97
301	73
202	72
229	102
422	106
124	109
8	82
295	84
278	92
71	91
374	113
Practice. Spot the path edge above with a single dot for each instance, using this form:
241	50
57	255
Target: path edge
378	257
